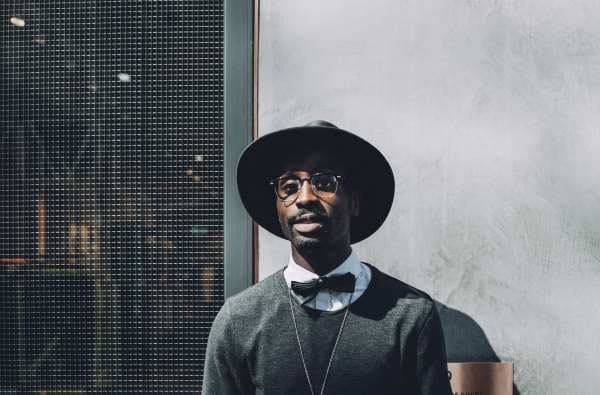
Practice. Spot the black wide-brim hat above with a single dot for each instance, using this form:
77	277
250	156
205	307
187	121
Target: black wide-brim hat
367	168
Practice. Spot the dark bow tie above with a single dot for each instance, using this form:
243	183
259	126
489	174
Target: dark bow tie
338	282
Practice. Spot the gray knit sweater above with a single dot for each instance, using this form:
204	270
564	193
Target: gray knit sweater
392	343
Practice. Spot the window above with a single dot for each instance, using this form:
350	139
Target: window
112	192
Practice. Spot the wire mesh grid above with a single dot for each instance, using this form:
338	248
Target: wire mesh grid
111	210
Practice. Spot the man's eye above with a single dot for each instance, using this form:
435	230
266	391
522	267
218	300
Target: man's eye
325	183
289	186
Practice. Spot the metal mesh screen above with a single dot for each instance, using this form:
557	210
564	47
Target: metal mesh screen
111	210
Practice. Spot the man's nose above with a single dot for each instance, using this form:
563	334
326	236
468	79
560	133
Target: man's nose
306	193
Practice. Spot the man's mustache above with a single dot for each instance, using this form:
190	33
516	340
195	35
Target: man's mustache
306	215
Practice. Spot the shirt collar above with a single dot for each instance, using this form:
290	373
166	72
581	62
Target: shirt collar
295	272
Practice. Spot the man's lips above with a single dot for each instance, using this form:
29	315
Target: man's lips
308	224
307	227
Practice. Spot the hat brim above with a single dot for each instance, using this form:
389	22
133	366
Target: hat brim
370	172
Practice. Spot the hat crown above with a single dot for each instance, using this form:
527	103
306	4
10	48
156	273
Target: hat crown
319	123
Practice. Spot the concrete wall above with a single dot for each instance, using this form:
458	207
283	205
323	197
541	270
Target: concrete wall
489	112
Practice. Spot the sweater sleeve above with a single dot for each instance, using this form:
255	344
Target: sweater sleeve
224	370
432	367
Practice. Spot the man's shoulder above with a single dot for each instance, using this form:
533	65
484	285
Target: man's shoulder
242	315
401	295
255	297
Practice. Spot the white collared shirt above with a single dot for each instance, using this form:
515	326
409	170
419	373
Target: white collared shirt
328	300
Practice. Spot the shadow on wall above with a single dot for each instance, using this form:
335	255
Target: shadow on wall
465	340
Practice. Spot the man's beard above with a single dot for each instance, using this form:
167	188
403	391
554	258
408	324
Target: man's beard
308	244
311	246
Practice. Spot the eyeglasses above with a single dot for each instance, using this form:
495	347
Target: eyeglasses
324	185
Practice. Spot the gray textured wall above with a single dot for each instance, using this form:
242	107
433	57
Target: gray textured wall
489	112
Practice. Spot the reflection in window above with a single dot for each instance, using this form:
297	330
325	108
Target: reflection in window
111	232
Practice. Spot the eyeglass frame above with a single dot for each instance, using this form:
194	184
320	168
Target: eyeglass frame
273	183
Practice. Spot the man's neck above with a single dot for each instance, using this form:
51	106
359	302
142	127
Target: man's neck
321	263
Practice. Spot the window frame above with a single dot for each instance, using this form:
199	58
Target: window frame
239	131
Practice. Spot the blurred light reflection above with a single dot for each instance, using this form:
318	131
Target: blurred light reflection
124	77
18	22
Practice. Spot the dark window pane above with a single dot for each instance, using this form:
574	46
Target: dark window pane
111	200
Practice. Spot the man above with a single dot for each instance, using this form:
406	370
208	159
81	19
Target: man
327	323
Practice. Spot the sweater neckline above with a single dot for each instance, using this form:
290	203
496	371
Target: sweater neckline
309	311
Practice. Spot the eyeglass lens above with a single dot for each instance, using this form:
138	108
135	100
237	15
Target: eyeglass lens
322	185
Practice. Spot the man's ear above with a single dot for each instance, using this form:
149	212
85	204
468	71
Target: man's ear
355	204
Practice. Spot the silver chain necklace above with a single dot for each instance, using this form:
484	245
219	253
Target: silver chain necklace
332	351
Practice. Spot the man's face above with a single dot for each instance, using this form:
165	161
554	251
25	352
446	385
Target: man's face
313	223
